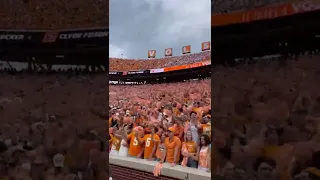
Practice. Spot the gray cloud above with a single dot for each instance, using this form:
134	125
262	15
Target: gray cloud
137	26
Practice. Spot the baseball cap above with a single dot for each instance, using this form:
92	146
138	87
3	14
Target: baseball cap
171	129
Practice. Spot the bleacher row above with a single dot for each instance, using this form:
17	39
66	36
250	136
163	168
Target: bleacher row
223	6
118	64
58	14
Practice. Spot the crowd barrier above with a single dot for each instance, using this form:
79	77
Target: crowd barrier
124	167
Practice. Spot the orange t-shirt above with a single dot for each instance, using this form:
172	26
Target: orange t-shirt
195	109
160	150
170	146
206	129
148	144
179	129
176	112
134	146
191	146
111	136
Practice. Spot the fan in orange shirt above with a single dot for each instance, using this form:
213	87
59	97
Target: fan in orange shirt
115	145
196	107
172	149
205	126
189	151
135	142
138	120
178	128
150	144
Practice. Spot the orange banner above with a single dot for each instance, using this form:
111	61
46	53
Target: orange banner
205	46
186	66
269	12
186	49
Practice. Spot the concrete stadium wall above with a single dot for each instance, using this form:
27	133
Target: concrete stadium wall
127	168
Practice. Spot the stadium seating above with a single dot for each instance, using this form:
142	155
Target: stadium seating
223	6
117	64
49	14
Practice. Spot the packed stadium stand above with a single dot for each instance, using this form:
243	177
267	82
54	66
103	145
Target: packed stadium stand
53	15
117	64
266	103
38	109
222	6
165	105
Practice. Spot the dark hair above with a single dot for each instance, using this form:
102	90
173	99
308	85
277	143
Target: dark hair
156	129
263	159
206	140
177	119
192	113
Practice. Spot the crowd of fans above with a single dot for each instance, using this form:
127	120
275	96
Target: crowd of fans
49	14
53	127
121	65
269	120
222	6
66	71
164	122
265	121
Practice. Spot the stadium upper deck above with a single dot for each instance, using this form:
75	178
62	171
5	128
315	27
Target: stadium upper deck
225	6
118	64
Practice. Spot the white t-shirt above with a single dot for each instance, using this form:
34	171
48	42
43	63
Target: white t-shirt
123	151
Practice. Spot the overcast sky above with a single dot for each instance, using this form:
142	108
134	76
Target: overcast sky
137	26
